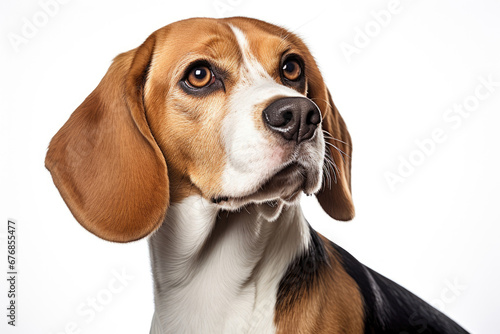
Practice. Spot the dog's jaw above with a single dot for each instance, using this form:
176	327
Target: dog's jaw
282	189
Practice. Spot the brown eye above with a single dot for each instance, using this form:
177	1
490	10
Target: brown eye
200	77
291	70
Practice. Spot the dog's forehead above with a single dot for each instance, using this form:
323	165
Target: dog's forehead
219	39
263	39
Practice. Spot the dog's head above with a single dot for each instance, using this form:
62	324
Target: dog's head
235	110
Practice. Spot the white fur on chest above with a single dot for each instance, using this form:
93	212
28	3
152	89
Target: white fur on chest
218	272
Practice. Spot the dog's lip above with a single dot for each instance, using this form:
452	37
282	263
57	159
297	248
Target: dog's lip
287	169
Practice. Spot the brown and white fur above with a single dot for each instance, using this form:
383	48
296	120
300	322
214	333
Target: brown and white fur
214	188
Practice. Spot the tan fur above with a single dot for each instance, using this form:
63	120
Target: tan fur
331	304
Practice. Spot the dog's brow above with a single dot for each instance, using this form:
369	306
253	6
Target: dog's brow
190	58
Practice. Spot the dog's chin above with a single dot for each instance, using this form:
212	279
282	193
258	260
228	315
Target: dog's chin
283	188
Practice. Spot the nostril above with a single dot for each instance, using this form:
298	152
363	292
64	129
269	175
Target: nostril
313	117
287	117
279	118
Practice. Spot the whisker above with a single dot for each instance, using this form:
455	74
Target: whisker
329	136
327	166
318	99
333	165
335	147
335	171
338	149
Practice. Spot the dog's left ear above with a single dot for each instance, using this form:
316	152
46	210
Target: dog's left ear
335	195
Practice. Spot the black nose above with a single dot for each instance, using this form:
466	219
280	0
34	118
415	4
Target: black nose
294	118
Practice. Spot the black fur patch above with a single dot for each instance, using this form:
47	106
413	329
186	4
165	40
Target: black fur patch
388	307
302	273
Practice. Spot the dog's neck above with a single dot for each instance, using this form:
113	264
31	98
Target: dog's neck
217	271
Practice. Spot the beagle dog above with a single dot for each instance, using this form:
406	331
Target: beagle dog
203	140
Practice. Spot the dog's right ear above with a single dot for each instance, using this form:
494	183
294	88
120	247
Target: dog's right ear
105	161
335	196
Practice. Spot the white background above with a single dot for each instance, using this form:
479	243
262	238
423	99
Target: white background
438	228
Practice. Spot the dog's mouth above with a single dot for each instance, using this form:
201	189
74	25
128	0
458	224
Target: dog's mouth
285	185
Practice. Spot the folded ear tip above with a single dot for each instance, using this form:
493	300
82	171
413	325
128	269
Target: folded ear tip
339	211
123	236
337	204
344	215
121	228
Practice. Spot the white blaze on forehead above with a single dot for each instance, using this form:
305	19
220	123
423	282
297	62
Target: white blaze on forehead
251	68
252	155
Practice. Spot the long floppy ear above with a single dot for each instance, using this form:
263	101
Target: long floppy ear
335	195
105	161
